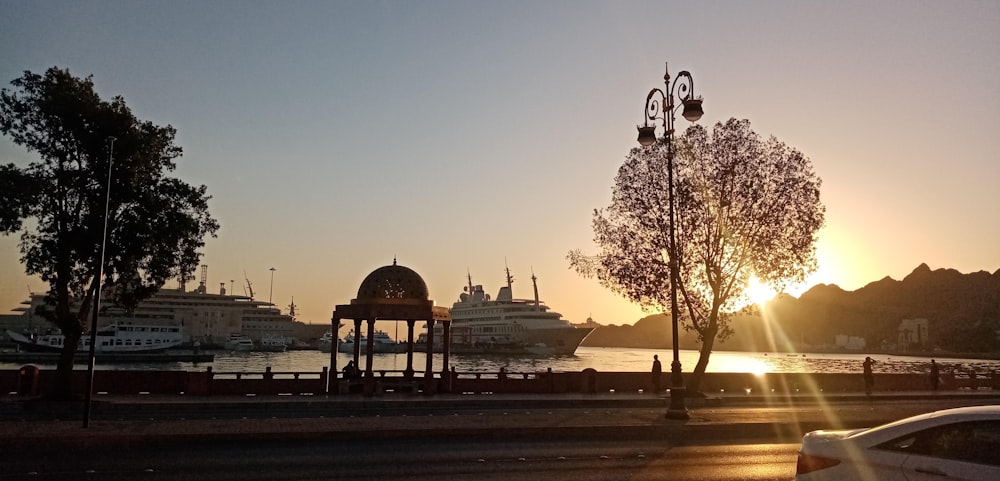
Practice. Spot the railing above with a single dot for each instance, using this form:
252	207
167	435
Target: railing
271	383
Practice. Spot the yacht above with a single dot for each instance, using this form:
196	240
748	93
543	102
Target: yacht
506	325
326	342
239	342
382	343
271	344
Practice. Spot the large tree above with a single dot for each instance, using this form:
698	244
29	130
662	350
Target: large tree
156	224
745	207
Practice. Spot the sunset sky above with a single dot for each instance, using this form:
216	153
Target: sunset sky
457	136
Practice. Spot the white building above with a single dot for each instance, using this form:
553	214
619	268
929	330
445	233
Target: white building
912	334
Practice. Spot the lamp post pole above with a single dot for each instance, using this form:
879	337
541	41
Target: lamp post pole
92	357
660	106
270	292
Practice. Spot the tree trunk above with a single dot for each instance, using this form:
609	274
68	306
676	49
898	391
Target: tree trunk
71	326
694	381
62	387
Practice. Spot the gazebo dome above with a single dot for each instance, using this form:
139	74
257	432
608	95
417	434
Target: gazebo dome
393	282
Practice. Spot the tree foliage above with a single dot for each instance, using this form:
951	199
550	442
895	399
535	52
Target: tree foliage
156	223
745	207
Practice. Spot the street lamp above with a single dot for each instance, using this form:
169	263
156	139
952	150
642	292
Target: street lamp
663	109
97	293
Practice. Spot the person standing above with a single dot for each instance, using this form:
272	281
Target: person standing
869	377
935	375
657	374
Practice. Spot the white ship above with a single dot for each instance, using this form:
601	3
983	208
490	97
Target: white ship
119	337
507	325
207	318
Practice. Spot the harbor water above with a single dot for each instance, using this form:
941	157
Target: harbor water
611	359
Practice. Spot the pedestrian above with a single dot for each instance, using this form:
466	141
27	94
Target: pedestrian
657	374
349	371
869	377
935	375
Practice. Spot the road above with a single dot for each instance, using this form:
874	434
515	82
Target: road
432	459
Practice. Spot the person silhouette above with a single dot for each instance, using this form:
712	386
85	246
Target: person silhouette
656	373
935	375
869	377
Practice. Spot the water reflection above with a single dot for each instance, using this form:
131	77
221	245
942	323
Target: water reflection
601	359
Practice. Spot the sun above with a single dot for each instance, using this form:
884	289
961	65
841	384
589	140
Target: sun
759	292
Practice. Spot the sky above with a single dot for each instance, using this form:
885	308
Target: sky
460	137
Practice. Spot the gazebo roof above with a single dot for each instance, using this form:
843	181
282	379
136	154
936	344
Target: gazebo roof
393	282
392	292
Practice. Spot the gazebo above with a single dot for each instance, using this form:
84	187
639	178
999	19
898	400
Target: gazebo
394	293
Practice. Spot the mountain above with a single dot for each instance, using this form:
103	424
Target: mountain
962	312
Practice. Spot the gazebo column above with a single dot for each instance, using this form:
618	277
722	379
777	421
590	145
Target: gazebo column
445	354
357	344
408	373
369	360
331	376
429	368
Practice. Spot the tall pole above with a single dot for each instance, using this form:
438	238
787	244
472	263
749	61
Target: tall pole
663	109
271	291
97	294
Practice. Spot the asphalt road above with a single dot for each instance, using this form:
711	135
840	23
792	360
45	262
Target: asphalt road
429	459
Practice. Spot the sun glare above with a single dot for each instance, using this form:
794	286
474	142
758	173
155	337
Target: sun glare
759	292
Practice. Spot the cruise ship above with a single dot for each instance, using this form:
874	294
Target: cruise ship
206	318
505	325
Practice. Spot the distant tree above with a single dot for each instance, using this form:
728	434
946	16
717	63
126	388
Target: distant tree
745	207
156	224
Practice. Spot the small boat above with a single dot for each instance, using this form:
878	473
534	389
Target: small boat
114	338
239	342
271	344
382	344
326	342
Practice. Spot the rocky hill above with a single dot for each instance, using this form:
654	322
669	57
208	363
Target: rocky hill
962	312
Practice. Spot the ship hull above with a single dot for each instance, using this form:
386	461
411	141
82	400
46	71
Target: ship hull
536	342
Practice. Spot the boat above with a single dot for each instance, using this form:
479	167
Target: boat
271	344
382	344
326	341
239	342
505	325
119	337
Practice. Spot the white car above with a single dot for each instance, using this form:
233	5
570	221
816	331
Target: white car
961	443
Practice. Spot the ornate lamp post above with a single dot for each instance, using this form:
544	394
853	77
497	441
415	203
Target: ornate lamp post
663	109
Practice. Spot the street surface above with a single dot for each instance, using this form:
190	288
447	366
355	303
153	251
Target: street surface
432	459
427	439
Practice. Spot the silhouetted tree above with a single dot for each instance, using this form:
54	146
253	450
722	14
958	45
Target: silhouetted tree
744	206
156	224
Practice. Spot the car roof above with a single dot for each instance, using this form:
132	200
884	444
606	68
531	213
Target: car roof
934	418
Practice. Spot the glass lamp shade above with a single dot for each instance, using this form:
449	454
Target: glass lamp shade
692	110
647	135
